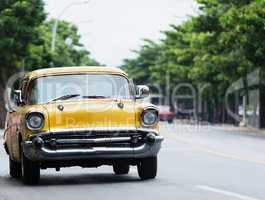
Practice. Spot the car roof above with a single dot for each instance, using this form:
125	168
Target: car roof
74	70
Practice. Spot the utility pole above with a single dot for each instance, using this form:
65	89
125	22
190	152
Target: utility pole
55	26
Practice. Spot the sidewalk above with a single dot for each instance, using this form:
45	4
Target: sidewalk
247	130
225	127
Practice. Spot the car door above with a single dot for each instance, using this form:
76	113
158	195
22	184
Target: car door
15	126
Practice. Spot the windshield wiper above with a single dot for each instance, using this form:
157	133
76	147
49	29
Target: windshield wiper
95	97
65	97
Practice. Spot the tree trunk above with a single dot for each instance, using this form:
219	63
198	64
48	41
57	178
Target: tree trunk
262	106
2	108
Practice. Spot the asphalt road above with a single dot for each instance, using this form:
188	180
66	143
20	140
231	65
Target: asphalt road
195	163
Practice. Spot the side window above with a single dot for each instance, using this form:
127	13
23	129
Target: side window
133	89
32	96
23	88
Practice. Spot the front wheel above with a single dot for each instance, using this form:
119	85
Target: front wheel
30	171
14	169
120	169
147	168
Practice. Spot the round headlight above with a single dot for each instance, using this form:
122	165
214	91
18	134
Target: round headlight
35	121
149	117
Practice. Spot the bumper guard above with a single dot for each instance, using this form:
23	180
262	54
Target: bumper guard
36	150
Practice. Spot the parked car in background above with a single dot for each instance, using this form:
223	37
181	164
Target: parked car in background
165	113
81	116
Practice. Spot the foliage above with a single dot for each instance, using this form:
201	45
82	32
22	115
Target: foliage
224	42
68	49
19	23
25	40
140	67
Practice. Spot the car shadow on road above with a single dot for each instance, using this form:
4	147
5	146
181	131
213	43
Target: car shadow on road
89	178
73	179
8	181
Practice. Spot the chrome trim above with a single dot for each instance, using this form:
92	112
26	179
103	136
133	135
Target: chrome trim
93	141
148	130
143	91
150	106
107	128
42	153
88	130
19	93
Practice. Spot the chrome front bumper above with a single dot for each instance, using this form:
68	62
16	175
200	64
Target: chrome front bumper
36	150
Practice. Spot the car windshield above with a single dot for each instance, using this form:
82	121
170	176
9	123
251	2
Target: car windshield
63	87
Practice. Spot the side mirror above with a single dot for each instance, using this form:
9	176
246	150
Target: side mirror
18	97
143	91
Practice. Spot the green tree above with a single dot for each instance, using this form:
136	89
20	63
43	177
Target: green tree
26	38
233	43
139	68
68	52
19	23
224	42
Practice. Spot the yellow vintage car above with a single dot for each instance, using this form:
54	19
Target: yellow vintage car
81	116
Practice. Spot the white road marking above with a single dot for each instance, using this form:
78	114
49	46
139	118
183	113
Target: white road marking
225	193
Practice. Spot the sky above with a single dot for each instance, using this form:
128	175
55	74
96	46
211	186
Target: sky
111	29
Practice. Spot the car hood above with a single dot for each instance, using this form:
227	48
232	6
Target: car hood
91	113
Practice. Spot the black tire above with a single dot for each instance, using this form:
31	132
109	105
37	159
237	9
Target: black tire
120	169
14	169
147	168
30	171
